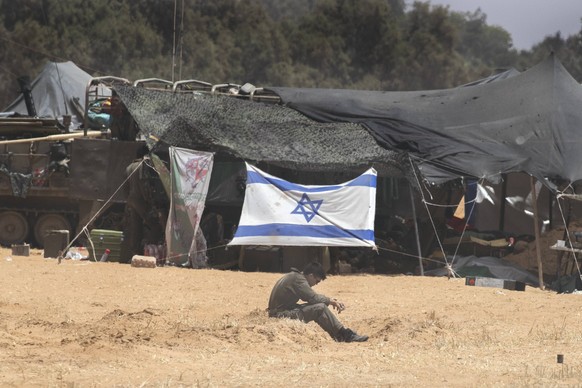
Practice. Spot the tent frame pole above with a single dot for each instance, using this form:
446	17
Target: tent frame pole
416	231
504	178
537	232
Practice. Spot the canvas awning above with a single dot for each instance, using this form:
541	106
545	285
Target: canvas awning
529	122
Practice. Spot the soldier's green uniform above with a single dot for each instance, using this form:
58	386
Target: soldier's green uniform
292	288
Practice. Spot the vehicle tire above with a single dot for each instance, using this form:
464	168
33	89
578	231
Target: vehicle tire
13	228
50	221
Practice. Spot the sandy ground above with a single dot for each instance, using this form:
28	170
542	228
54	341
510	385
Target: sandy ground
80	323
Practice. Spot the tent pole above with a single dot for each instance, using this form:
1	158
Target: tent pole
551	210
416	230
504	178
534	200
566	238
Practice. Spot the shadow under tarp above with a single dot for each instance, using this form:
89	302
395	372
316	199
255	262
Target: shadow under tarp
488	266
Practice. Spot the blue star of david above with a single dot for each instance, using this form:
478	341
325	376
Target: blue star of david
307	207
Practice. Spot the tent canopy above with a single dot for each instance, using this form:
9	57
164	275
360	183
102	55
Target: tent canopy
526	122
54	91
255	132
512	122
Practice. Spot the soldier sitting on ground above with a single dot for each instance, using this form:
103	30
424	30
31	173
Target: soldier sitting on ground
296	286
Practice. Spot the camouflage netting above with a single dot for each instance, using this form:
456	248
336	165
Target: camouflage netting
255	132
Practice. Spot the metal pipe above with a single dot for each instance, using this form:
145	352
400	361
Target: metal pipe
26	91
64	136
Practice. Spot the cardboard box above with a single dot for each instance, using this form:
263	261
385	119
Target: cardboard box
21	250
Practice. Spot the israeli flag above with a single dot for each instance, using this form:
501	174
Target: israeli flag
277	212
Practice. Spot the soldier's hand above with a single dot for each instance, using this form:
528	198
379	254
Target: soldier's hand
339	306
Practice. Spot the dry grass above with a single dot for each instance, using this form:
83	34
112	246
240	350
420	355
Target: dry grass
88	324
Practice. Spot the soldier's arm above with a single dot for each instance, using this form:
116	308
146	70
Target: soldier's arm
306	293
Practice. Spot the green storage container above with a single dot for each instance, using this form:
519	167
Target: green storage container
106	239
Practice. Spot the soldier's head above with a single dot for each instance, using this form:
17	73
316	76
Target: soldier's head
314	273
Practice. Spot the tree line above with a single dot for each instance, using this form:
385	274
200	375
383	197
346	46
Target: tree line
351	44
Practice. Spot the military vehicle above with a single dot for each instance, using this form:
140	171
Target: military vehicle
58	176
54	177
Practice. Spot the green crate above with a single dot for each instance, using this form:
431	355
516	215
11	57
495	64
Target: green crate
105	239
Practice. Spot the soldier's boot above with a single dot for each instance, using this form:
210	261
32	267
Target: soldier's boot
348	335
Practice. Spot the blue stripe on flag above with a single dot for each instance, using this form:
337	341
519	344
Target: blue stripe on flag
366	180
320	231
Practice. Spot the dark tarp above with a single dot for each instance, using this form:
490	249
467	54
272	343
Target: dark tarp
54	92
498	76
255	132
488	266
528	122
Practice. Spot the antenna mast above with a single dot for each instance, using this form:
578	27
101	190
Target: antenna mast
174	42
181	39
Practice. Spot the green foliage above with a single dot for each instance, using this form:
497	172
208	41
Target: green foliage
364	44
483	47
429	58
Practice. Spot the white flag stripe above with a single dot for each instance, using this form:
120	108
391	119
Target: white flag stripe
277	212
300	241
267	208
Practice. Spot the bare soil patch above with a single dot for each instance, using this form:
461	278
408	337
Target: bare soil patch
81	323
